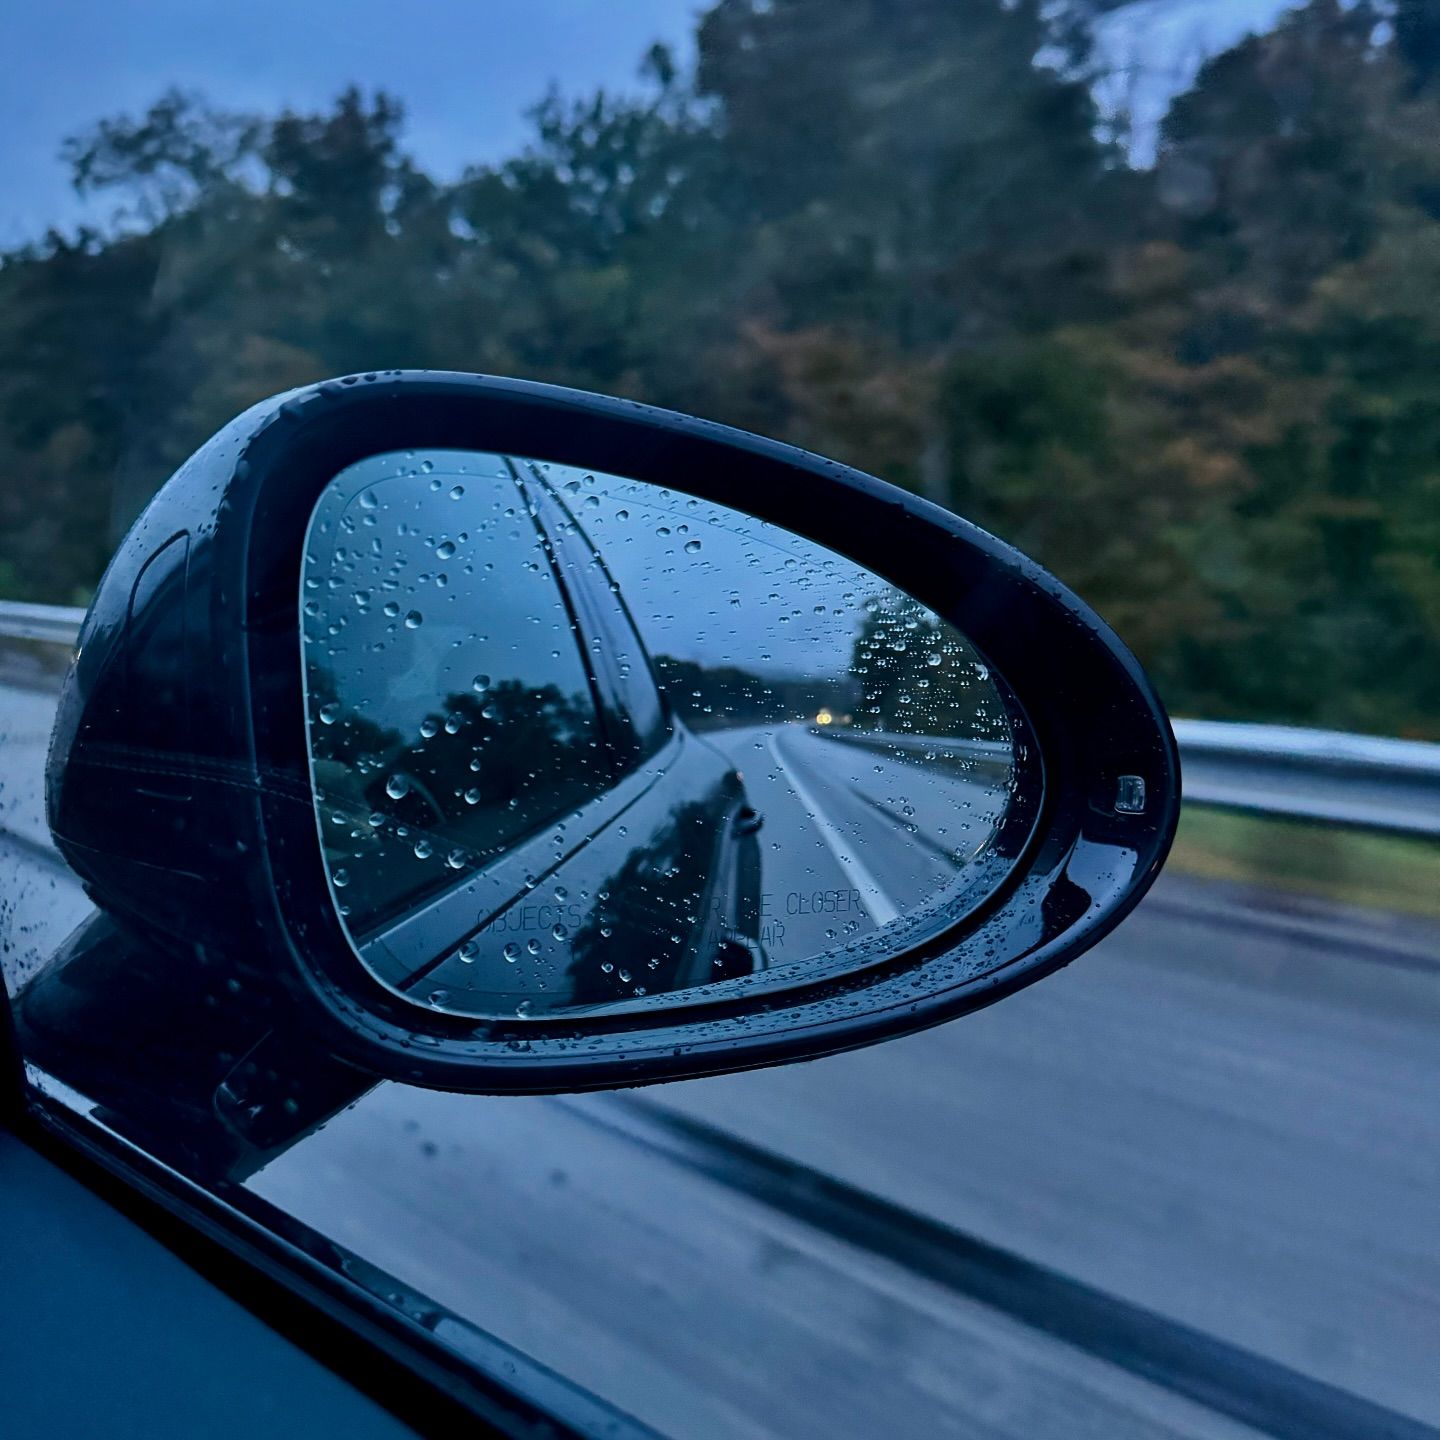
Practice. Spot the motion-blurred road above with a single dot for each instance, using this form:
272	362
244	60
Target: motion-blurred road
1226	1113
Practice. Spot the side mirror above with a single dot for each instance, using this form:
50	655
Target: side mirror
506	738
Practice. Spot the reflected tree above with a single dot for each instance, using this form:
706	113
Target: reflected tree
918	676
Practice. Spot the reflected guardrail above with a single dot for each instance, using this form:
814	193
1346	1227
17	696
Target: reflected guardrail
922	746
1325	776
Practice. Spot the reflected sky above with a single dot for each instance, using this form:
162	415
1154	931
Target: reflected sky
709	584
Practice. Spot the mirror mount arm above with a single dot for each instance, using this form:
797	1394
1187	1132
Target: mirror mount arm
162	1045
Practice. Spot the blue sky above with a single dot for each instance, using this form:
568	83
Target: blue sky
1155	47
466	69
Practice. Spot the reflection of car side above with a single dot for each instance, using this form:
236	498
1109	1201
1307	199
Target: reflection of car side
590	835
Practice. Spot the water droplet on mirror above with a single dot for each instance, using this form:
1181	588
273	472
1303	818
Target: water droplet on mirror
414	620
455	859
445	550
330	712
523	1008
692	547
423	849
391	609
396	786
341	878
467	952
512	952
456	491
439	997
532	947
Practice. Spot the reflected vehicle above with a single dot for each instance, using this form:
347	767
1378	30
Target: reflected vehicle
547	709
506	800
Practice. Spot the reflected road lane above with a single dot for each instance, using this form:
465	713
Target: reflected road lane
852	837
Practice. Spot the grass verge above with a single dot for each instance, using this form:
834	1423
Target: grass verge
1381	872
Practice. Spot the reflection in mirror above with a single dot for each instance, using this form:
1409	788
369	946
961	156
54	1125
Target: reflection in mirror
579	742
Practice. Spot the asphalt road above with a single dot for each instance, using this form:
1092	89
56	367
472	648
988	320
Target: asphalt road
1225	1113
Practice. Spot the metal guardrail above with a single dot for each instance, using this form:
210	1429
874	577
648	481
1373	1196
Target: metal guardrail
58	624
1362	781
1327	776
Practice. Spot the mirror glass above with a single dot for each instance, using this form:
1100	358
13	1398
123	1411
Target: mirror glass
579	743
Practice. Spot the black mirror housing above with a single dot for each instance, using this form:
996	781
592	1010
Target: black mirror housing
179	784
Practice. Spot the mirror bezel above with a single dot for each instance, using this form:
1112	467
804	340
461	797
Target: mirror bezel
245	501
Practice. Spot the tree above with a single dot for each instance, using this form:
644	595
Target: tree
897	234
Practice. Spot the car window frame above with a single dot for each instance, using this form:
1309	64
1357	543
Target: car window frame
301	1286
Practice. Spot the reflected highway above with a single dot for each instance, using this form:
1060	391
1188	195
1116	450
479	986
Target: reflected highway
853	837
1225	1114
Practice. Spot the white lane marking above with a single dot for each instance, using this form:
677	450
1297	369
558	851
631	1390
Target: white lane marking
881	907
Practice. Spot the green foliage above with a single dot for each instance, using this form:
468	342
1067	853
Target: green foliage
1203	394
1376	872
